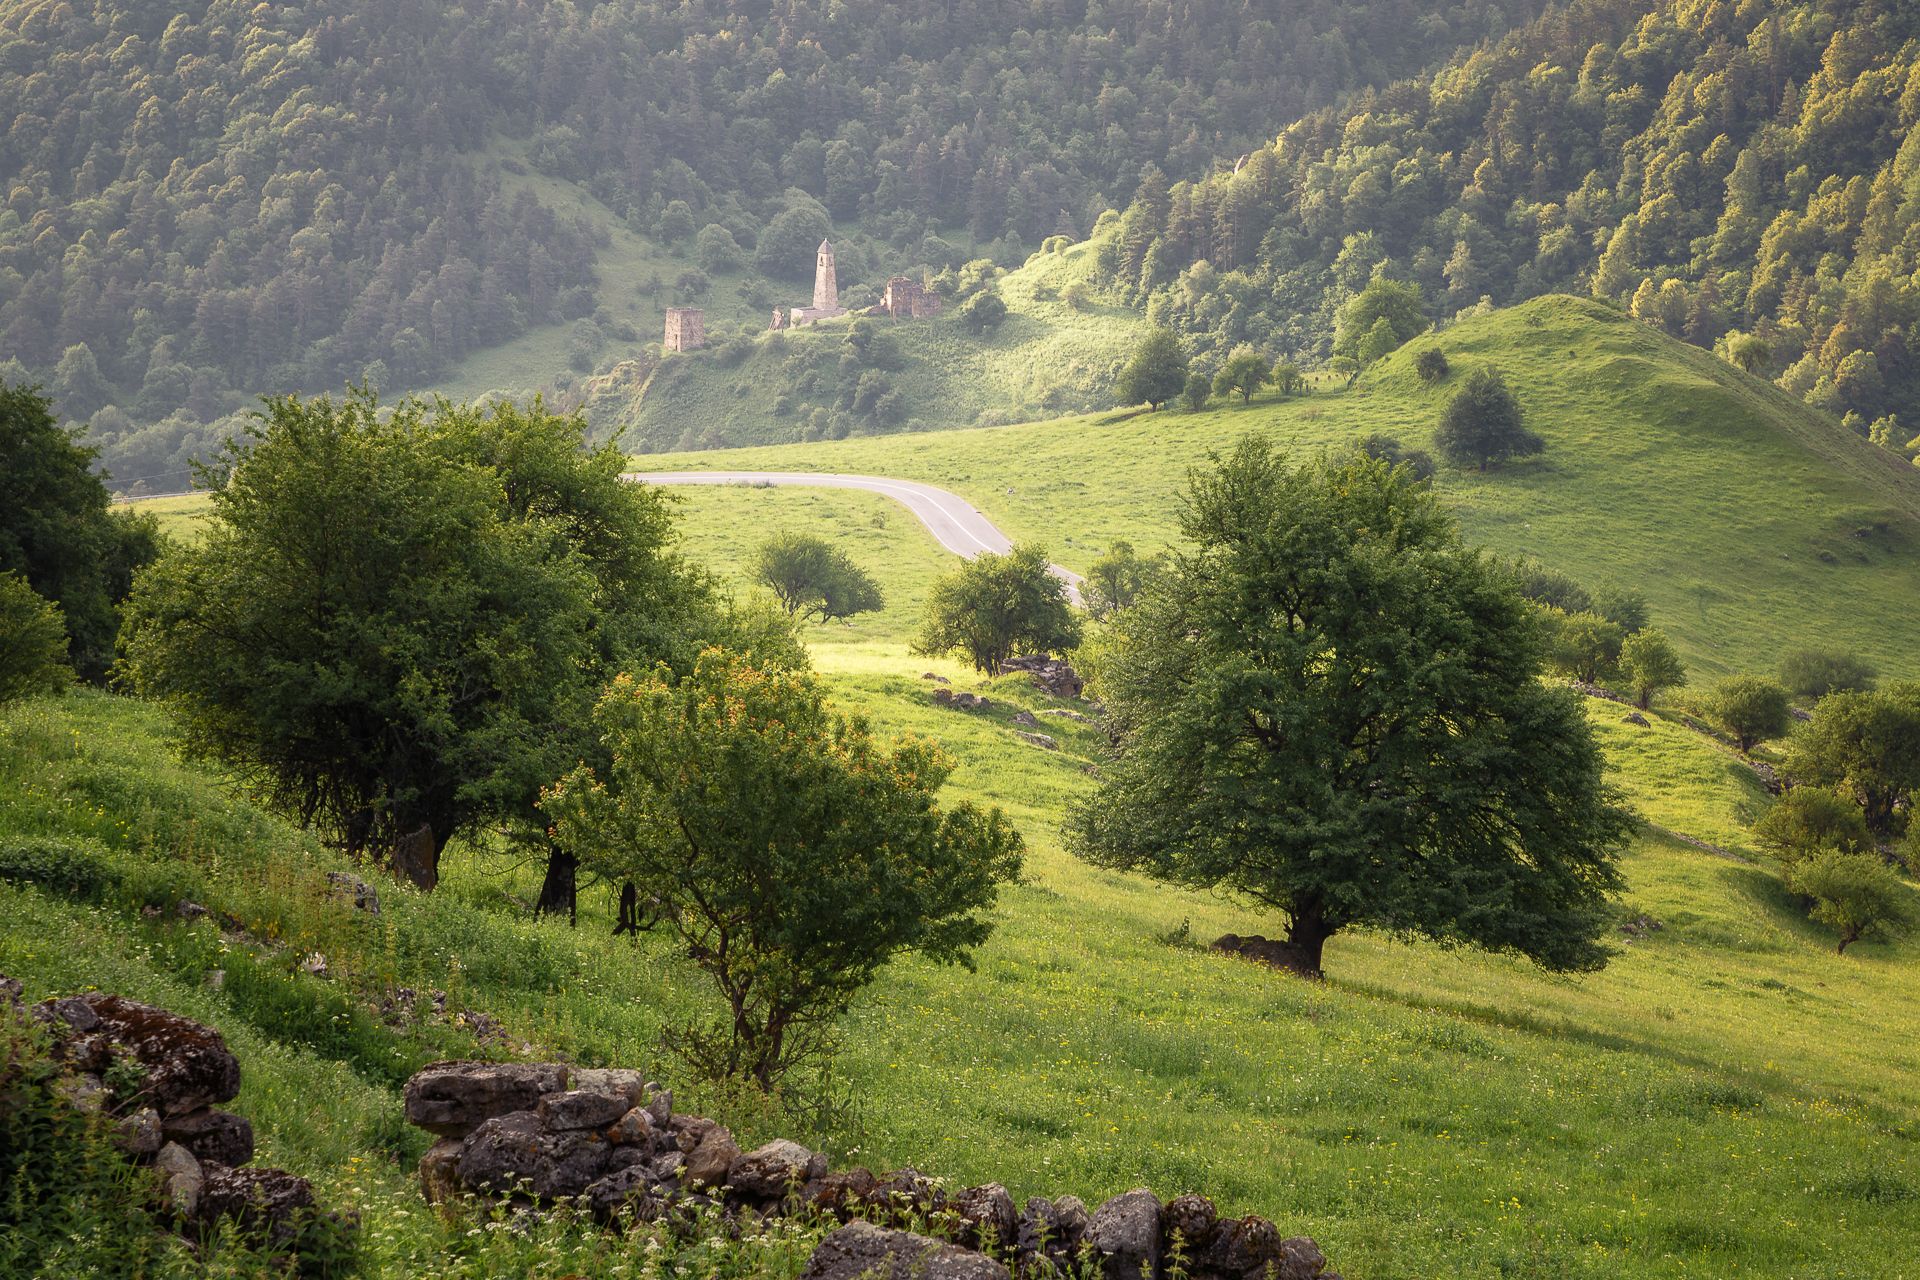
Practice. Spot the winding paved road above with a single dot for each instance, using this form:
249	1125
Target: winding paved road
953	521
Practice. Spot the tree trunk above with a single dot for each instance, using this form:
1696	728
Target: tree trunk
558	890
416	856
1307	934
629	921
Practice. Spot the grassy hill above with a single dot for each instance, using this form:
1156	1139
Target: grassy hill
1750	522
1727	1098
1048	357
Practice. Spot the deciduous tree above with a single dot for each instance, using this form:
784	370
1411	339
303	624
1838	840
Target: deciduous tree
992	606
1652	664
810	577
1155	373
1332	707
792	853
1483	425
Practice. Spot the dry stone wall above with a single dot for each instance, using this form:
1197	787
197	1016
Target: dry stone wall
610	1139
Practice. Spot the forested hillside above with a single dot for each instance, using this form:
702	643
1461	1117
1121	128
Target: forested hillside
206	204
1742	174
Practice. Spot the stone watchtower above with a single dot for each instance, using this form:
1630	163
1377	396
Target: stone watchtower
686	329
826	285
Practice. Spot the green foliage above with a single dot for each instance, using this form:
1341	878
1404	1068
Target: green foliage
1855	894
33	642
793	854
1376	321
992	607
1244	373
1583	646
1198	391
1751	708
1368	757
789	244
1389	450
1116	579
1815	673
1155	373
1731	172
1808	819
1651	664
717	252
1551	587
1483	425
1288	377
1431	366
812	578
1866	745
395	620
983	311
1625	607
58	532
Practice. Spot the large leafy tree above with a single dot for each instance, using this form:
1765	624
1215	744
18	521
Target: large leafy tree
992	606
1155	373
1482	424
811	577
33	642
792	853
58	531
1332	707
1865	745
394	624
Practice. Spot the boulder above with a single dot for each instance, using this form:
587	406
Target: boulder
1125	1231
1051	1228
453	1098
1188	1223
633	1189
67	1016
1051	674
1026	718
630	1087
511	1153
187	1064
580	1109
211	1135
986	1216
1244	1247
862	1251
841	1195
268	1201
1041	740
139	1134
659	1105
1635	718
709	1163
180	1178
1301	1259
769	1172
910	1193
440	1170
83	1092
632	1129
10	991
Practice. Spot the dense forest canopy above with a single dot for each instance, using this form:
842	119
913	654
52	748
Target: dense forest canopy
206	202
1741	173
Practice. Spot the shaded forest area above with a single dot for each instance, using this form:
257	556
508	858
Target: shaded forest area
203	205
1742	174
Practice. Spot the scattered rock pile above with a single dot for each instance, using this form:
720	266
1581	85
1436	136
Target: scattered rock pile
610	1138
964	701
159	1079
1051	674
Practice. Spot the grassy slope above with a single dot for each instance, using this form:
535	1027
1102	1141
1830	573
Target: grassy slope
1047	356
1727	1098
1750	522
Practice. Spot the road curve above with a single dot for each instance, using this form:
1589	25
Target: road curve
953	521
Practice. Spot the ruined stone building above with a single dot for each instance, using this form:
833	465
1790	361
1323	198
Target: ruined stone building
907	299
686	329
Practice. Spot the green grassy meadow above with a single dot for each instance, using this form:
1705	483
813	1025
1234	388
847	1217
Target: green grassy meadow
1750	522
1727	1098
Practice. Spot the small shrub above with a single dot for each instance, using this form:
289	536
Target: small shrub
1431	366
1808	819
1815	673
33	642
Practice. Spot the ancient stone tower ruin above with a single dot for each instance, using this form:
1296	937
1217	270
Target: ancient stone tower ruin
686	329
826	285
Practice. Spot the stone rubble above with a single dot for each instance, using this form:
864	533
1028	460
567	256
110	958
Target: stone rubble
168	1074
542	1132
